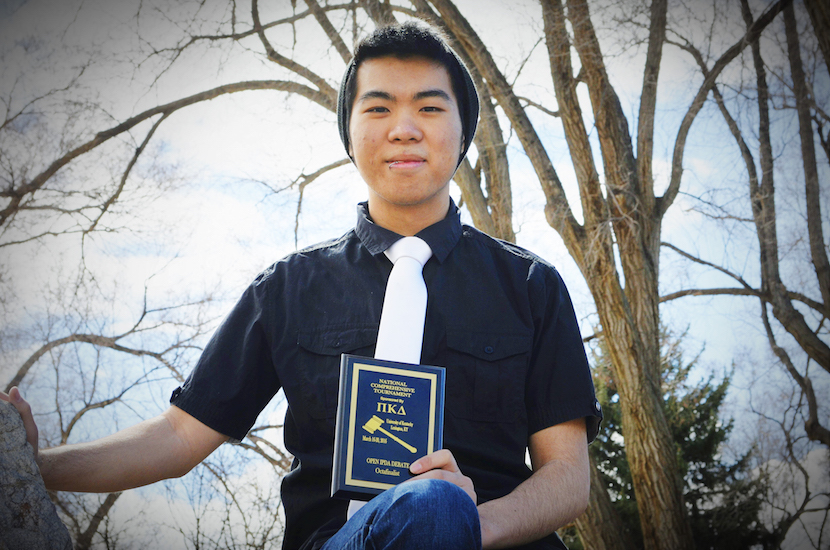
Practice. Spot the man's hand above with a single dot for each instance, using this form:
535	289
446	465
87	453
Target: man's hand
25	411
442	465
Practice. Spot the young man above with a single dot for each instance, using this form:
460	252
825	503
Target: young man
498	318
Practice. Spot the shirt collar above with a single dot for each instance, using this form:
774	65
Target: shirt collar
441	236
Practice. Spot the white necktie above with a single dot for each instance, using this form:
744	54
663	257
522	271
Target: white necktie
401	330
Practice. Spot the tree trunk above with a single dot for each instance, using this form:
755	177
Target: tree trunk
819	11
763	210
600	527
649	448
630	316
818	250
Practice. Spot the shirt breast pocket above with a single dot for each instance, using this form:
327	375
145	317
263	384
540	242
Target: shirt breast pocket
319	365
486	374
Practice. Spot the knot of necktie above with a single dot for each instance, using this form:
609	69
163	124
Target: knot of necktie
410	247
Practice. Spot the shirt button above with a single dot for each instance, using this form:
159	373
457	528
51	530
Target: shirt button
596	404
488	350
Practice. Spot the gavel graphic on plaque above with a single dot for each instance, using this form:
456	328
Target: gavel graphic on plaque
374	424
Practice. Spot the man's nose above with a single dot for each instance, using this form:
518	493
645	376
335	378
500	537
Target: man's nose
405	128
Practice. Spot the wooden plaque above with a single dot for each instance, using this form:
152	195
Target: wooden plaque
389	414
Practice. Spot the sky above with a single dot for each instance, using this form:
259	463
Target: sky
213	225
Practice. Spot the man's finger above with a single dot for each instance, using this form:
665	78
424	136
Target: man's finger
441	459
442	465
25	410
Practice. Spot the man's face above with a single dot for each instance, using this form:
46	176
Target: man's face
405	133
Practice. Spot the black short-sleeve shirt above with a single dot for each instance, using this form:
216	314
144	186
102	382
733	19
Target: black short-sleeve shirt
498	318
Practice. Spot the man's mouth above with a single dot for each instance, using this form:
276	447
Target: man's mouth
406	161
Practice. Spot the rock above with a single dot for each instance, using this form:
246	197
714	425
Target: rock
28	519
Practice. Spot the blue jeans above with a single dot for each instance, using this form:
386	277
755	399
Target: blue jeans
425	514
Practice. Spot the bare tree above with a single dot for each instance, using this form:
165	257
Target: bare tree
82	373
622	201
803	317
798	496
791	249
626	220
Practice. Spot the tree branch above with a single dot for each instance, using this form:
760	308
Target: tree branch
328	28
84	541
557	210
595	208
818	251
325	90
282	461
380	13
664	202
648	100
531	103
815	431
473	197
114	197
305	180
94	339
709	264
36	183
710	292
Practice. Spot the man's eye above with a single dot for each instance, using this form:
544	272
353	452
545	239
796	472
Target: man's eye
377	110
432	109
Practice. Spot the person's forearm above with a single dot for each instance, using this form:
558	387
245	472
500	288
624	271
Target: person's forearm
136	456
552	497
